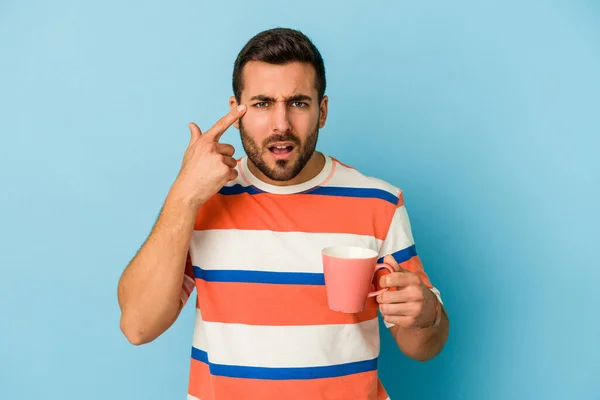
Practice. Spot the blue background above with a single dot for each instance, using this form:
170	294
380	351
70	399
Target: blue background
485	113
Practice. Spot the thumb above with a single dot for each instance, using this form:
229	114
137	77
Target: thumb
195	132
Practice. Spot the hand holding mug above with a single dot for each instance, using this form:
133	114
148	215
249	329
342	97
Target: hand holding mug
411	304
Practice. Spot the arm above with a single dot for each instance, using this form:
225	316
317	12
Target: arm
150	289
412	309
414	313
425	343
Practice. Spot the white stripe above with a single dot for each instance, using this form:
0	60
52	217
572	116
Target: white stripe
399	235
346	177
287	346
343	177
287	189
199	340
251	250
437	294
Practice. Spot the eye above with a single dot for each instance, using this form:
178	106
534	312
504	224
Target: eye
299	104
261	104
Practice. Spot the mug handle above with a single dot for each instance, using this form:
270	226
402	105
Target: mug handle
377	268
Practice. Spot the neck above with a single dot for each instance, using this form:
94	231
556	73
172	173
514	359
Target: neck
312	168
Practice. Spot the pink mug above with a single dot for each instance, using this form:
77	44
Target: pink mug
349	274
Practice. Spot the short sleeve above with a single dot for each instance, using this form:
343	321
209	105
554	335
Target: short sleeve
189	283
400	244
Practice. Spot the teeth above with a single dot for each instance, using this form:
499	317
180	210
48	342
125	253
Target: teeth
281	147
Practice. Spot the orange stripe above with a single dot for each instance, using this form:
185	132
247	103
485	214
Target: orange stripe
272	305
200	381
357	386
297	213
381	393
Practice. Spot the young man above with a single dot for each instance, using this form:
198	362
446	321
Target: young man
248	235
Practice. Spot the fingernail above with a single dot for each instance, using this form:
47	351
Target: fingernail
241	107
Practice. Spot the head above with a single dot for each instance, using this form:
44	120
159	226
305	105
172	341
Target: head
280	76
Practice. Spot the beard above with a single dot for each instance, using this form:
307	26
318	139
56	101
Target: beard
284	170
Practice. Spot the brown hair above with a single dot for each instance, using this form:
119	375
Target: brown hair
279	46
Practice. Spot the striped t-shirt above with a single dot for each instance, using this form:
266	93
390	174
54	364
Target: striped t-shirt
263	328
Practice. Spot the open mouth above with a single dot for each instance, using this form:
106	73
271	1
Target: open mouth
281	150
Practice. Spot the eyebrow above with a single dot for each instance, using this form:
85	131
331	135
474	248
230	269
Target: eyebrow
297	97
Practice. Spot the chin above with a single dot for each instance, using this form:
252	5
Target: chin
281	170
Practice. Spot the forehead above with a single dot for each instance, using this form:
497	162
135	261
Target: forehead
278	80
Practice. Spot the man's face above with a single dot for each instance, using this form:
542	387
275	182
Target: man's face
280	129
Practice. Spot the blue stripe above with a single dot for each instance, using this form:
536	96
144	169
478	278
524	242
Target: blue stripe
403	255
199	355
238	189
235	371
280	278
364	193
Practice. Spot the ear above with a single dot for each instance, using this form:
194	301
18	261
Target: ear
232	106
323	109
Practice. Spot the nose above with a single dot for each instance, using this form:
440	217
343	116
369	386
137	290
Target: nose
281	118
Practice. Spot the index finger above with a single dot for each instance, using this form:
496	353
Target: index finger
221	126
399	279
391	261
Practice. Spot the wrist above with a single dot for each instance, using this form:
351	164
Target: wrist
187	195
181	198
436	310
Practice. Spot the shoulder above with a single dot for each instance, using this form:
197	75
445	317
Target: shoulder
347	176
